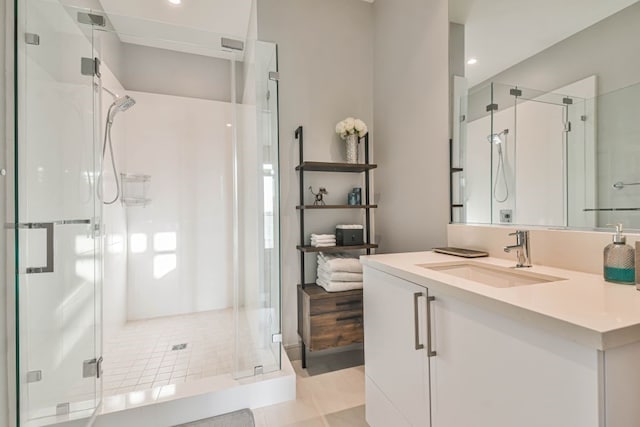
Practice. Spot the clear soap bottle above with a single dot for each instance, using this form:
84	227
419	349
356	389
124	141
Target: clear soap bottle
619	260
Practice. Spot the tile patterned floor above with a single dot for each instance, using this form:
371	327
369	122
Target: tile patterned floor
334	399
140	356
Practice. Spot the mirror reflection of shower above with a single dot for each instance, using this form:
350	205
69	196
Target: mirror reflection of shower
120	103
495	138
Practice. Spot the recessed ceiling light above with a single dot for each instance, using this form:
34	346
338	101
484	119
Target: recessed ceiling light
228	125
175	1
472	61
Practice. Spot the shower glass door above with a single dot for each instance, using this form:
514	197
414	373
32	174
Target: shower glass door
58	247
257	307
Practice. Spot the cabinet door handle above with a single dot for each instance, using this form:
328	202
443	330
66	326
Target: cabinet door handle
416	321
430	351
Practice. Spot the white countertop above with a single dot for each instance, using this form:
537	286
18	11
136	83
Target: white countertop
583	308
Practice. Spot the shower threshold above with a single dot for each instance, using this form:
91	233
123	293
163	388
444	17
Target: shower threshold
181	403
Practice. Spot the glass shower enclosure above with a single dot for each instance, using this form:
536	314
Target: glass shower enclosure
58	227
57	216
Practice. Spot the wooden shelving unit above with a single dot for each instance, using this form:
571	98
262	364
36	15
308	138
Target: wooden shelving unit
330	319
452	171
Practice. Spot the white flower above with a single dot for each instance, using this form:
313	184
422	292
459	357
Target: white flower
360	127
349	123
350	126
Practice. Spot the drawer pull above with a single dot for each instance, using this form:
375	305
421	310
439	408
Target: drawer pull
416	321
343	319
355	301
430	351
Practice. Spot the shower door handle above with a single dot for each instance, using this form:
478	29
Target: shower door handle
48	226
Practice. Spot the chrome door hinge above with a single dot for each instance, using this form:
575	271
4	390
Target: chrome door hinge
276	338
92	368
32	38
274	76
90	67
232	44
567	127
34	376
91	19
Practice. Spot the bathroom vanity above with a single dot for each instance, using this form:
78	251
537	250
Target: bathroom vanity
457	343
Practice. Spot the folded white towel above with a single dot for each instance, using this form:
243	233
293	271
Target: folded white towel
338	276
323	236
313	239
331	286
339	262
350	226
323	244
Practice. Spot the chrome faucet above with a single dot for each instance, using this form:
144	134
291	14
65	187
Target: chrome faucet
523	252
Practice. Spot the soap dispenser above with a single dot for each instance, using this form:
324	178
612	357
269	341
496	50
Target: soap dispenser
619	259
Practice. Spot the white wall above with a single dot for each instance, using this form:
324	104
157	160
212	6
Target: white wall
598	50
163	71
411	120
185	145
325	55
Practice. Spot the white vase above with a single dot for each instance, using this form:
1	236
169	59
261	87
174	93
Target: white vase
352	148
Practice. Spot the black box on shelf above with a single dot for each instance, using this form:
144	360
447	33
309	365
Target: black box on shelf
349	236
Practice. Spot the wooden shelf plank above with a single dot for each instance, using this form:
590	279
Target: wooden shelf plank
336	248
317	292
337	207
334	167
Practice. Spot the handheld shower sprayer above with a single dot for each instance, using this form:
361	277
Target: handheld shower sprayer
495	138
121	103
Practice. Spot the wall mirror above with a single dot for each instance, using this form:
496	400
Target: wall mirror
545	112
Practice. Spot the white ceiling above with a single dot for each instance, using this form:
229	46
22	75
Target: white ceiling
502	33
195	26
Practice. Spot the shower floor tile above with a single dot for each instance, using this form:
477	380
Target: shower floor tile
141	355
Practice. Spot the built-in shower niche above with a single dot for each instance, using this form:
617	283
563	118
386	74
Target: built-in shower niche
135	189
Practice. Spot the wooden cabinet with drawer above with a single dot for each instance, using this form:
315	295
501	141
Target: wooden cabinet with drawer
328	319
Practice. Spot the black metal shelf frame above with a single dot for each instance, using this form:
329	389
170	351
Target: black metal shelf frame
303	167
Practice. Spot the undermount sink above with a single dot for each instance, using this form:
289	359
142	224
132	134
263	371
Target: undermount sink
492	275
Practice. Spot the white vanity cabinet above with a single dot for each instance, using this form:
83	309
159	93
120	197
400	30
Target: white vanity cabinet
396	363
488	370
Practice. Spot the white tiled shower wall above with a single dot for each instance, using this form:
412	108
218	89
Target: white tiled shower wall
178	250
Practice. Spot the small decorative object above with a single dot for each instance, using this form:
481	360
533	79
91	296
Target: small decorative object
351	130
319	195
355	196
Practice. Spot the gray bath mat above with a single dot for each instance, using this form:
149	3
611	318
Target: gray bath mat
241	418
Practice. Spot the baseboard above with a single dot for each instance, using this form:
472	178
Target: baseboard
295	351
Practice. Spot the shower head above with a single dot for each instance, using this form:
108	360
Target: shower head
122	103
494	138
